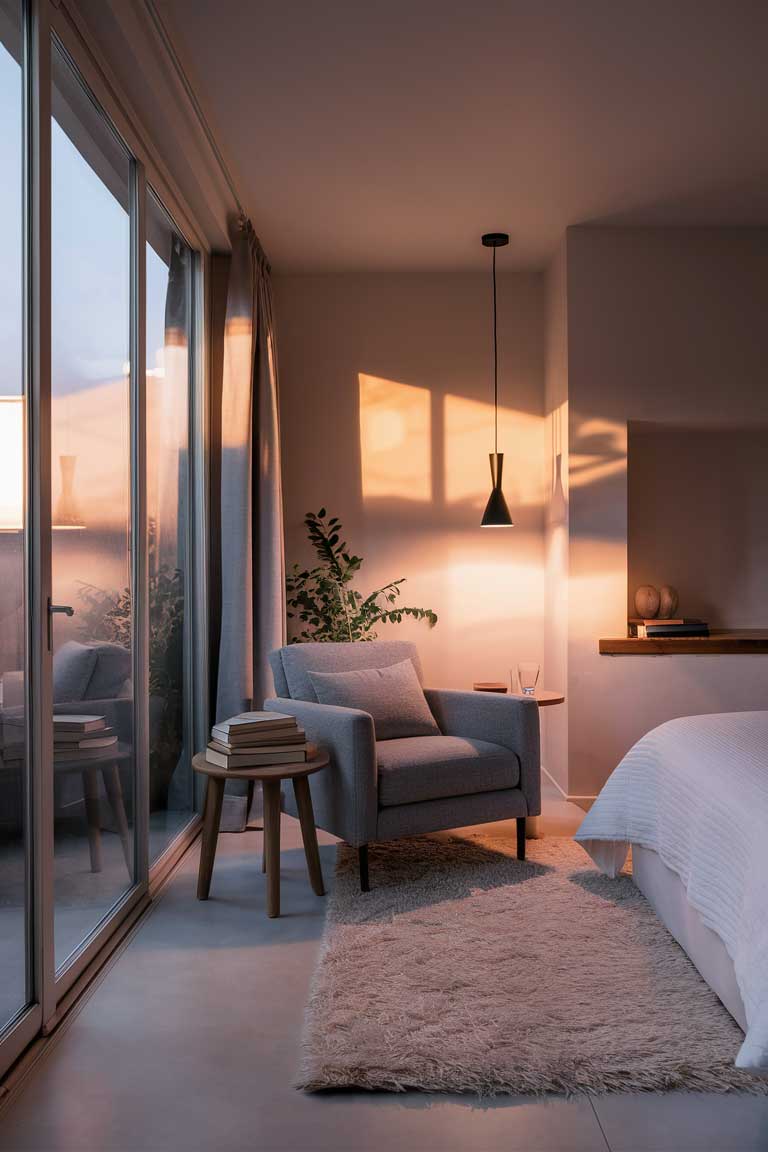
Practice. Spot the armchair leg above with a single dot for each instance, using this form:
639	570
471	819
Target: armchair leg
362	855
521	837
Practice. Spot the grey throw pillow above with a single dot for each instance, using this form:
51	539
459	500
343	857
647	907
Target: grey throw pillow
393	696
113	667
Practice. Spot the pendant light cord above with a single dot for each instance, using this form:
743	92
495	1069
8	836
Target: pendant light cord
495	367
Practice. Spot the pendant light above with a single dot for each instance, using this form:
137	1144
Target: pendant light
66	514
496	513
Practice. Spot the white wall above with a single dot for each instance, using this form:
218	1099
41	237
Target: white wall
665	325
682	480
386	414
554	721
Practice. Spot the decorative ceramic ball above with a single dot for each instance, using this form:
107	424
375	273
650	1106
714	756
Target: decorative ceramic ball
668	601
646	601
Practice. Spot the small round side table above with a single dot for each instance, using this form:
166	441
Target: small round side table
543	698
270	778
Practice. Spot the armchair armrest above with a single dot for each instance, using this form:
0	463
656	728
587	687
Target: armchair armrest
345	794
513	723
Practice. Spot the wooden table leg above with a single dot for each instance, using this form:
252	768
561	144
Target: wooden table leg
309	833
111	776
91	797
272	844
214	796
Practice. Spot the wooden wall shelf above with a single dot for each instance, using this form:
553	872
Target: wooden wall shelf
720	642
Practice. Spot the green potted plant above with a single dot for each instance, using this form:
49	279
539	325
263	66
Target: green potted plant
321	602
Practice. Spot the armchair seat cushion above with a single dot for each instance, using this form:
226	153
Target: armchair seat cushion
417	768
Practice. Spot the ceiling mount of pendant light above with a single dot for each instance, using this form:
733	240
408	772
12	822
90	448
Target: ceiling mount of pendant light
496	513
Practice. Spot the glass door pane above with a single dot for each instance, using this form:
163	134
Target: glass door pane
169	296
15	991
91	513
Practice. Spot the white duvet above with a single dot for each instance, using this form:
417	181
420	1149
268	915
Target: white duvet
695	790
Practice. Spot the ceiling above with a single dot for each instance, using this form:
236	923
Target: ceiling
392	133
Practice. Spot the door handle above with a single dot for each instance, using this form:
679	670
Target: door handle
64	609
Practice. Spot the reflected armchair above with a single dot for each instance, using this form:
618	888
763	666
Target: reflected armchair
482	766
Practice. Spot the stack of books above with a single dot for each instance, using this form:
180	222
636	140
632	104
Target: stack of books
256	740
81	737
681	627
12	739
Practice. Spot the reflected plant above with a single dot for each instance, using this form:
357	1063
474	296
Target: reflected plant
323	601
106	616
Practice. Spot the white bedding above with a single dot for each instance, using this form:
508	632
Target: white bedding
695	790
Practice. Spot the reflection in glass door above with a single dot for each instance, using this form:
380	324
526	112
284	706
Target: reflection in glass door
169	316
78	830
15	991
92	618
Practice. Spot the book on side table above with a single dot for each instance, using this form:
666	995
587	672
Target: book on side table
256	740
78	738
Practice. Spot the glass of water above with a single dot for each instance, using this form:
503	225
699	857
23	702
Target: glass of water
528	675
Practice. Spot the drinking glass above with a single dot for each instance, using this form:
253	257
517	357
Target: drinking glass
528	675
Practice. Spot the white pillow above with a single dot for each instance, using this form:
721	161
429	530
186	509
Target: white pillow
393	696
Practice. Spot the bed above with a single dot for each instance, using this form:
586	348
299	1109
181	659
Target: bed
691	799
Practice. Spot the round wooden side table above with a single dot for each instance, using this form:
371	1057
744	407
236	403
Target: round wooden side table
107	761
543	698
270	778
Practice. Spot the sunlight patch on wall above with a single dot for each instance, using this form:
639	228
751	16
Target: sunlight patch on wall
598	451
475	591
395	439
469	439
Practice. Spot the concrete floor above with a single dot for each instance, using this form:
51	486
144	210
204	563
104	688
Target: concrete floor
190	1043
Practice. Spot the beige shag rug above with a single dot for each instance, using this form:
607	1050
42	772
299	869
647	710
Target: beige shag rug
464	970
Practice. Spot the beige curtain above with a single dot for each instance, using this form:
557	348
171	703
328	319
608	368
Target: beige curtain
252	577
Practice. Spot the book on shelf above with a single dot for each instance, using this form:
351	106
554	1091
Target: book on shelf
74	723
235	760
656	620
678	626
662	630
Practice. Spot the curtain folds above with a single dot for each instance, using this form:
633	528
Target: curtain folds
252	570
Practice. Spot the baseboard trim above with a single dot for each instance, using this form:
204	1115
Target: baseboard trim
569	796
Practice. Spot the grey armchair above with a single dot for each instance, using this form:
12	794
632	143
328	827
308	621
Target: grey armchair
483	766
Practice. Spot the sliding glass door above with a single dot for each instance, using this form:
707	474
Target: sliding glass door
102	540
15	892
169	298
91	486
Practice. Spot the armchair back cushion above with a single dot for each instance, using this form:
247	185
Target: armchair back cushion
89	671
393	696
291	665
73	666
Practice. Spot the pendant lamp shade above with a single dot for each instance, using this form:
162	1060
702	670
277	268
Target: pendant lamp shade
66	514
496	513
